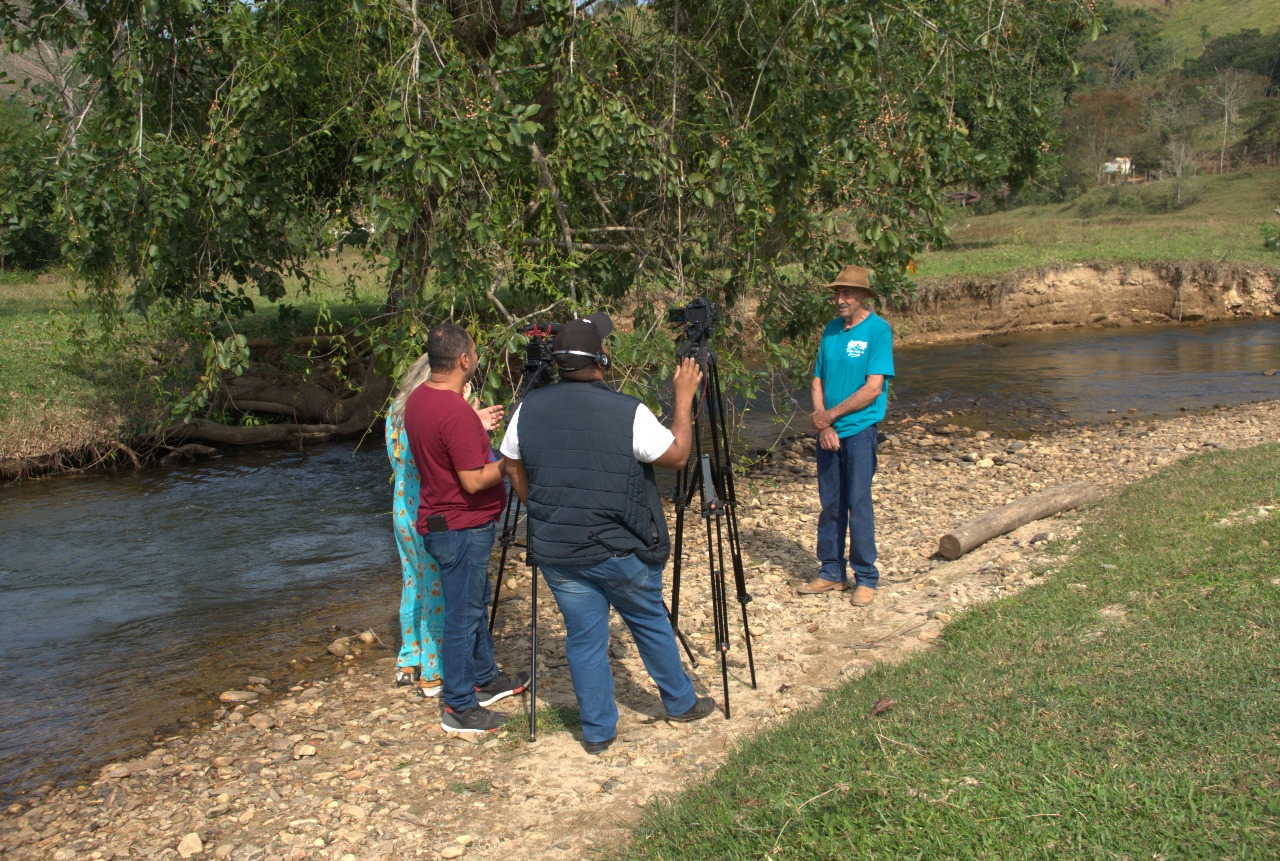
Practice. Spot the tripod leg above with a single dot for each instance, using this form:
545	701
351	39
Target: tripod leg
684	641
509	523
533	656
735	546
677	554
719	606
743	598
720	501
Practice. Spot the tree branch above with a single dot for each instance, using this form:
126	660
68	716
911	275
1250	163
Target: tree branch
493	294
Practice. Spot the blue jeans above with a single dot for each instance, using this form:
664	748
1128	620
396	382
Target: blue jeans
635	591
844	490
466	646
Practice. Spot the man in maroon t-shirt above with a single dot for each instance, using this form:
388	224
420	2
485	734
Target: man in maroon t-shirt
462	495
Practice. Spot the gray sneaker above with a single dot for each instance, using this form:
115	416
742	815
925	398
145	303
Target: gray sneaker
703	707
478	719
502	687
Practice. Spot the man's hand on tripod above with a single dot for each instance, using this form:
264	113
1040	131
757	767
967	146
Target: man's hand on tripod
687	378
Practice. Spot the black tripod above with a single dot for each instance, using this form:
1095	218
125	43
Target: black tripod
708	474
537	370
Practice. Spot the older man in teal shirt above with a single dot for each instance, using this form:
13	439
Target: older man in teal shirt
850	392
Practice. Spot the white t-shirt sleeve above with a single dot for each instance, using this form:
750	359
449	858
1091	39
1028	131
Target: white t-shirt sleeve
649	439
510	446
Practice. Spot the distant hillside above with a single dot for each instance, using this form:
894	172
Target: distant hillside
1184	19
17	68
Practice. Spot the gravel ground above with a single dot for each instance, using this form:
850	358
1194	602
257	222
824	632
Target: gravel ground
351	767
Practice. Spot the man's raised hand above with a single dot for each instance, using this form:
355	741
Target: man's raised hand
687	378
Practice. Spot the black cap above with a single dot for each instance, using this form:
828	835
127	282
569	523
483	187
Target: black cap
580	341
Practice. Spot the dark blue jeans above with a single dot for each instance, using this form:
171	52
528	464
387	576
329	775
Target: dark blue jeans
844	490
635	591
466	646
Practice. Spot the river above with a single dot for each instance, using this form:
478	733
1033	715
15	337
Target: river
131	599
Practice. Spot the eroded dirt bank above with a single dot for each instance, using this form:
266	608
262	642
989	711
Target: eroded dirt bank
1087	295
354	768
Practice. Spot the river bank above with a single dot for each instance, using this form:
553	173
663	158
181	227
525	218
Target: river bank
943	310
351	767
1097	295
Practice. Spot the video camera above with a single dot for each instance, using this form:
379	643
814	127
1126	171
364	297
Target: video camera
698	318
698	313
538	367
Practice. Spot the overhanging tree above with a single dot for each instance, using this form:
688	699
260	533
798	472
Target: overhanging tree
526	158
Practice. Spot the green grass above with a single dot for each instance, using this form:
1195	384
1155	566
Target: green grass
344	289
551	719
53	400
1127	708
44	403
1222	224
1185	18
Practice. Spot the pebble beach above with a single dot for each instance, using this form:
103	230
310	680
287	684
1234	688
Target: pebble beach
350	767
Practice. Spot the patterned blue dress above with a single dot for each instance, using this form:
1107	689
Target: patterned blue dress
421	599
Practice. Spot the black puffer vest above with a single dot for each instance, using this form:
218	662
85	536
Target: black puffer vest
589	498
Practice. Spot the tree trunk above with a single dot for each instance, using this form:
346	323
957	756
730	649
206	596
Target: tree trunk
342	416
977	532
414	250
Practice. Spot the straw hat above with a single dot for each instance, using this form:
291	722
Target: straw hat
854	276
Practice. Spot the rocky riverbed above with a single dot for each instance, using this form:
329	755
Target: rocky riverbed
351	767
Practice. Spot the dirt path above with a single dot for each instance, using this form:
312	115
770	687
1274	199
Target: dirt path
353	768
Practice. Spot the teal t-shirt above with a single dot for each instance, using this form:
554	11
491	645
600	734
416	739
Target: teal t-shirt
846	359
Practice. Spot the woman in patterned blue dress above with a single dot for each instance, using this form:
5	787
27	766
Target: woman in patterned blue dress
421	599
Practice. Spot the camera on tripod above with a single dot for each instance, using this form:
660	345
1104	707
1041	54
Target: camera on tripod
538	367
699	317
697	314
708	477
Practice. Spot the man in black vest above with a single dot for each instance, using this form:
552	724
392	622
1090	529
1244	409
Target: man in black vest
581	457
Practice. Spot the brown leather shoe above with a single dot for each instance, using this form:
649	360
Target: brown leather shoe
817	585
862	596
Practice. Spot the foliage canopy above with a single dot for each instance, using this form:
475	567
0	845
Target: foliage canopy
527	157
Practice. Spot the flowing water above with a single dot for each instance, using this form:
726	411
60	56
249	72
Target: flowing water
1090	376
130	600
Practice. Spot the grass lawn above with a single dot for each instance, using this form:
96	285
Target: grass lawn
53	400
44	403
1128	708
1222	225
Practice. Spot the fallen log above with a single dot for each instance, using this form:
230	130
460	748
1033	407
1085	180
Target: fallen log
343	416
975	533
189	452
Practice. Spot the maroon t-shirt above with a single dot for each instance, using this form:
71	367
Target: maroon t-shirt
446	437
